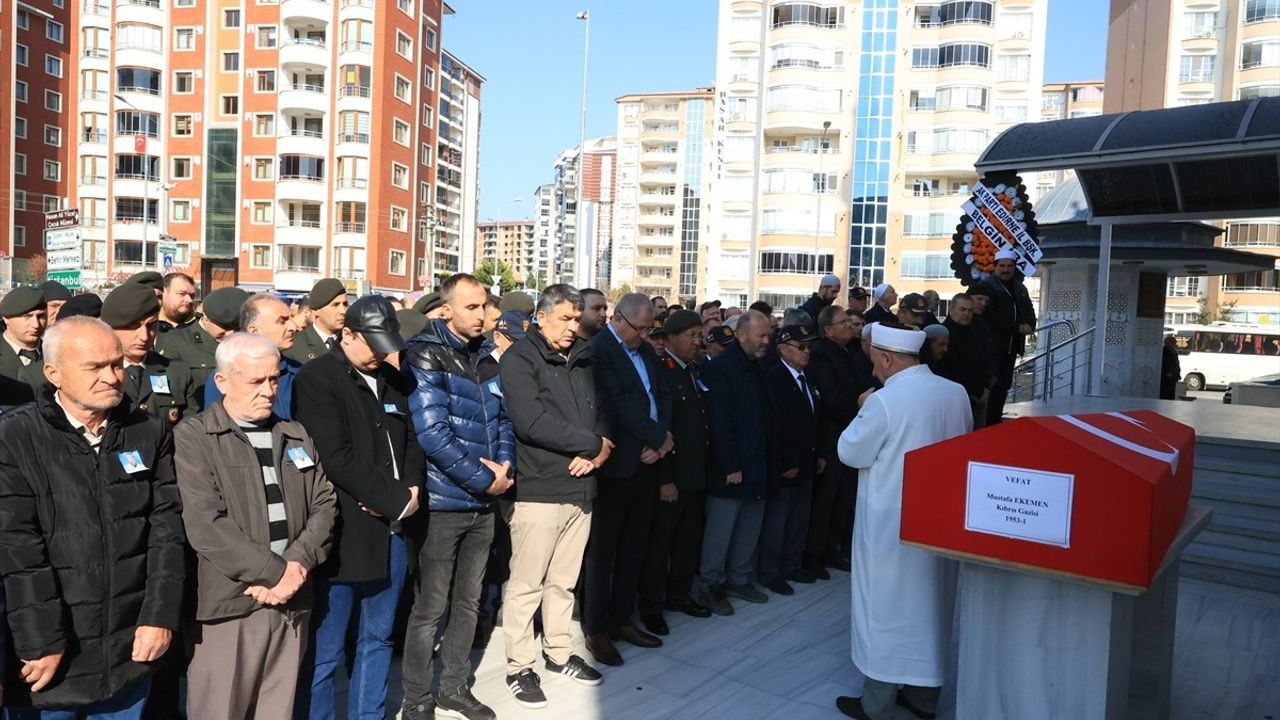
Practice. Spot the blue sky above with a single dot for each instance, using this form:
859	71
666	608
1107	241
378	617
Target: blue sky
530	52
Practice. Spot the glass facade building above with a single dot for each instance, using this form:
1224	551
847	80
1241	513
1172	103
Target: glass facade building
869	211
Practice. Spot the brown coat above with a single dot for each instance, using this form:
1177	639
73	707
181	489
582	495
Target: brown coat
225	511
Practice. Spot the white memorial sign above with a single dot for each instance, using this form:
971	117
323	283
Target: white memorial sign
1019	503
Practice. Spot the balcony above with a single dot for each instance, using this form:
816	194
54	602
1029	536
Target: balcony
661	112
300	232
358	52
349	228
93	8
147	12
91	94
304	52
802	121
309	188
95	53
744	47
94	137
302	142
312	98
305	11
93	180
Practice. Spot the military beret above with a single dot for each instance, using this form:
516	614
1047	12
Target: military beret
128	304
323	293
795	333
517	301
411	323
150	278
427	303
88	304
657	330
55	291
680	320
720	335
222	306
21	300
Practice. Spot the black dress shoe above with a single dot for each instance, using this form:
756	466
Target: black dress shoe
837	563
629	633
852	707
818	572
780	587
903	702
692	609
655	624
603	650
802	576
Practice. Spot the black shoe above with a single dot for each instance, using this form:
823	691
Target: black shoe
746	591
575	669
852	707
526	686
464	706
903	702
802	576
655	624
714	600
837	563
419	711
690	608
780	587
818	572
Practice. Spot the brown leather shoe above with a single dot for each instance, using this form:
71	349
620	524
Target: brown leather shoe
629	633
600	647
852	707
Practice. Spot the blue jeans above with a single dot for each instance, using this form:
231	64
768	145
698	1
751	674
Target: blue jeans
335	601
124	705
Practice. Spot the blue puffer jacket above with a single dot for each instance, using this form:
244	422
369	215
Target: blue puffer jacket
459	416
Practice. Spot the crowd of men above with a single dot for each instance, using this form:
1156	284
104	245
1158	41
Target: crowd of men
241	491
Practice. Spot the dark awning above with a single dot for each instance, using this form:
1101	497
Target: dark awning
1218	160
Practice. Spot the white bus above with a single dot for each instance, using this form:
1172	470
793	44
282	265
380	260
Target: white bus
1217	355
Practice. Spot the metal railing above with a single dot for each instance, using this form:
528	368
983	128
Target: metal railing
1056	369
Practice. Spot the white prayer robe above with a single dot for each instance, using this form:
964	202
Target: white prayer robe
903	596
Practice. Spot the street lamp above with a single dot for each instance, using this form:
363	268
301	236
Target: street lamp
146	182
585	17
822	189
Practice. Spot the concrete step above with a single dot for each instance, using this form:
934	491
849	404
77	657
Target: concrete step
1261	498
1227	576
1216	448
1227	539
1258	563
1268	529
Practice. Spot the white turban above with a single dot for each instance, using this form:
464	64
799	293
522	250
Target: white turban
1006	254
892	339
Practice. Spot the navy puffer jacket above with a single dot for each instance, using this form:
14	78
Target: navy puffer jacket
459	417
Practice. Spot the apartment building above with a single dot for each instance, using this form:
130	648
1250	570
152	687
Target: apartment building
595	213
272	142
664	142
1200	51
1060	101
510	242
545	213
846	132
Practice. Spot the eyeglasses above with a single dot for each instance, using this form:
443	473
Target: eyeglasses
805	347
642	330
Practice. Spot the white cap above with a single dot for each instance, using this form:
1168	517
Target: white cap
892	339
880	290
1006	254
830	280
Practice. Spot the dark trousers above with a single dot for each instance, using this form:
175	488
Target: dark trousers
619	536
782	537
453	557
1000	393
831	514
675	549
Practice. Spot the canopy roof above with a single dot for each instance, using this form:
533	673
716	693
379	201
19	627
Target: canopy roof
1219	160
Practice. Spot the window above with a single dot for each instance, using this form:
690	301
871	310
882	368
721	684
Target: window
1012	112
302	167
1250	93
404	45
52	202
20	233
807	14
19	200
1260	10
231	62
266	36
20	91
230	105
396	262
53	30
184	3
1015	25
295	258
401	132
955	97
1013	67
260	256
52	170
1196	68
428	77
19	164
399	176
138	36
926	266
793	54
180	211
262	212
184	38
20	56
53	135
429	40
425	155
137	167
951	55
802	97
1253	234
132	122
20	128
134	79
264	168
403	88
792	221
399	219
231	18
266	81
406	7
130	209
779	262
53	100
424	192
23	20
1259	54
184	82
181	169
1201	24
945	140
428	116
53	65
264	125
183	126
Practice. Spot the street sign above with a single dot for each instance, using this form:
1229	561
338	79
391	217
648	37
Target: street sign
57	219
70	279
63	249
168	252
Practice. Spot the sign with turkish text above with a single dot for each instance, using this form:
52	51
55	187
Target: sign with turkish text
998	217
57	219
1019	503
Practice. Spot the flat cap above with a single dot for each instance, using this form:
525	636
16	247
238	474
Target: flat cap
796	333
681	320
55	291
859	292
87	304
324	291
721	335
222	306
150	278
517	301
427	303
374	317
21	300
128	304
411	323
913	302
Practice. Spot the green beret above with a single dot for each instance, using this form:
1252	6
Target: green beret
411	322
323	293
518	301
128	304
681	320
55	291
21	300
427	303
150	278
222	306
86	304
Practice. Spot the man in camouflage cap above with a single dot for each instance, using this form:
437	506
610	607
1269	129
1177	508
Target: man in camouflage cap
153	383
328	304
196	344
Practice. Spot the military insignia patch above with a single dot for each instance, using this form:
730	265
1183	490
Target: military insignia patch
311	356
174	415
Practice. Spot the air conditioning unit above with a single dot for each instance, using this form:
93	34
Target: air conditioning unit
1019	35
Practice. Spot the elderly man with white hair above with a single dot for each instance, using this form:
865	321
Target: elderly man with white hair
92	535
259	514
902	596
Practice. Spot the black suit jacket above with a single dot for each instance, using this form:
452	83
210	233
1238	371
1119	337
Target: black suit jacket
350	426
798	437
624	404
